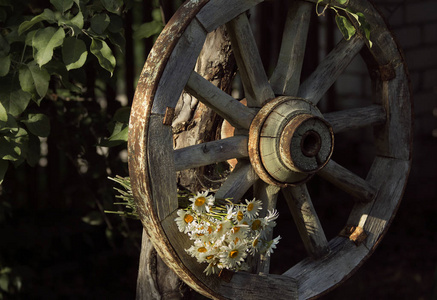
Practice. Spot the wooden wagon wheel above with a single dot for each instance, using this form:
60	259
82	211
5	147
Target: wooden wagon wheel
287	141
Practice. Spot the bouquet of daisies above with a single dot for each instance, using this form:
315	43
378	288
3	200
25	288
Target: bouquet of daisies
224	235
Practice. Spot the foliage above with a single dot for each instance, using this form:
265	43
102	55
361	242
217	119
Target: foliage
344	24
43	52
127	198
62	132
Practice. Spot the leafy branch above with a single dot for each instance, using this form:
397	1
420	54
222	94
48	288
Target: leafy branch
345	26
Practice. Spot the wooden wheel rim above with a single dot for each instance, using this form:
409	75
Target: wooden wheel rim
154	186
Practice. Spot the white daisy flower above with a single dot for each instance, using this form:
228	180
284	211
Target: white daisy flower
257	224
202	202
212	268
239	214
230	212
222	228
269	246
183	220
255	245
253	208
231	256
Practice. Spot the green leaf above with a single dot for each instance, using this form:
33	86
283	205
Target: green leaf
12	97
4	282
117	39
3	168
122	115
62	5
3	113
14	146
113	6
157	15
104	54
44	42
74	53
115	24
148	29
46	15
341	2
5	64
29	37
9	125
38	124
120	136
34	80
99	23
365	27
345	26
76	21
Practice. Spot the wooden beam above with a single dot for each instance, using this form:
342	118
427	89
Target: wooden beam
223	104
211	152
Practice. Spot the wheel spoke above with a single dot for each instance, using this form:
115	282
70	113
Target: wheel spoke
210	152
269	195
238	182
286	76
344	179
307	222
356	118
316	85
223	104
256	85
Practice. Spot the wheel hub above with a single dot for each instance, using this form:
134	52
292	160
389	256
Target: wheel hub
289	141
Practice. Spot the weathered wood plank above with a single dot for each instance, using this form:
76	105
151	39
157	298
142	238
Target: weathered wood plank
210	152
355	118
179	66
349	182
223	104
307	222
394	137
327	72
263	286
257	88
161	166
316	276
389	176
238	182
219	12
285	79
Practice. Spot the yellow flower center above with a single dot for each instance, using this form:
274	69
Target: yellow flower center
210	257
209	229
250	206
256	225
235	229
188	219
233	254
202	249
200	201
255	242
240	215
220	228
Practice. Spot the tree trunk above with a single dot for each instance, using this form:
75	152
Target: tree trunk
193	123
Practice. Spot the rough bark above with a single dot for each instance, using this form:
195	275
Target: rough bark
194	122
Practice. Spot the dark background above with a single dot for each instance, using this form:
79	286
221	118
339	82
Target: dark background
60	245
